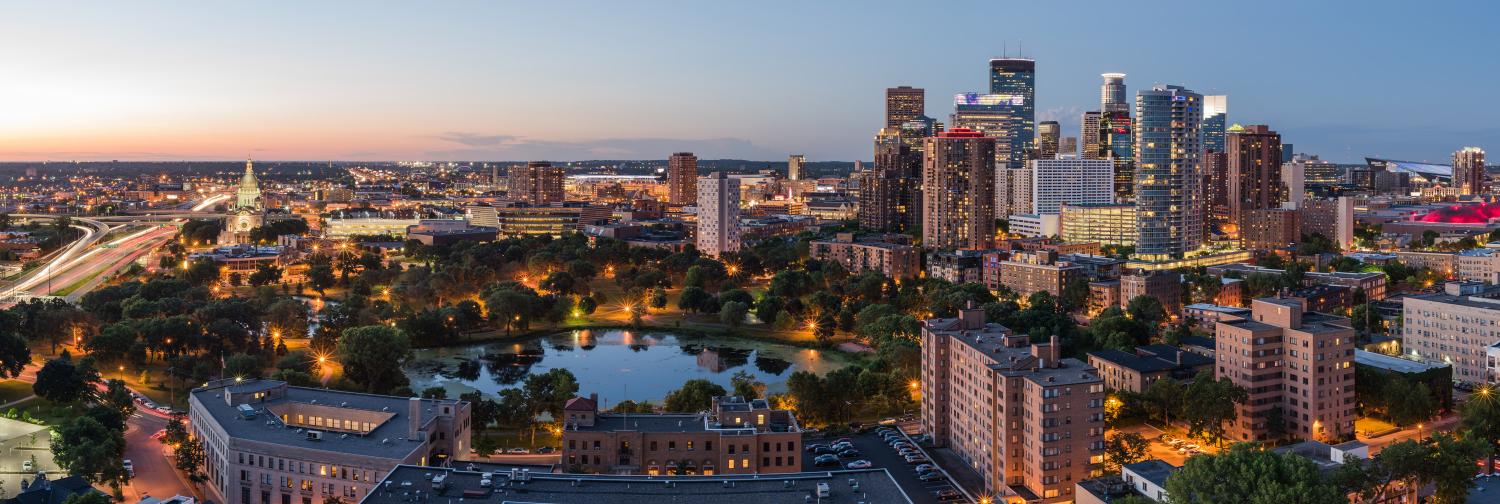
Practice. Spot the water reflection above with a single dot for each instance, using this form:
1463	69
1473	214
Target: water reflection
605	362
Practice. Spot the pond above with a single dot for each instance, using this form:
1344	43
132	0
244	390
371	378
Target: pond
617	364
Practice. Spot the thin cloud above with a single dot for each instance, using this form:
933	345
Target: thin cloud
510	147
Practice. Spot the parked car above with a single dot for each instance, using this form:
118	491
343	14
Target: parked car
813	447
850	453
930	476
546	449
841	446
822	450
826	460
860	464
26	466
949	494
916	459
518	451
888	421
921	468
129	468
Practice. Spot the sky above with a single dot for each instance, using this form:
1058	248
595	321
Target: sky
492	80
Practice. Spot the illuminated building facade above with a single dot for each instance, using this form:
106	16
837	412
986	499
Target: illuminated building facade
1253	172
1088	135
1168	173
1107	224
958	190
1215	117
1117	144
1047	135
682	178
1293	362
1112	96
536	182
902	104
718	214
794	167
1468	171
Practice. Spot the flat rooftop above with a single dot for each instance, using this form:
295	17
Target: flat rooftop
387	439
413	485
1397	364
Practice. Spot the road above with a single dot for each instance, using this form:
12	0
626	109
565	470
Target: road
154	473
93	231
92	267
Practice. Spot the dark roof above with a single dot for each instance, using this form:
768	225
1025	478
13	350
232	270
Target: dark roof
1154	470
408	484
1153	358
580	404
43	491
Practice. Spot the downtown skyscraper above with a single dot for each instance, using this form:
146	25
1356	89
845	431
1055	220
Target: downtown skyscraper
902	104
1108	134
1008	114
1047	135
1168	175
1215	117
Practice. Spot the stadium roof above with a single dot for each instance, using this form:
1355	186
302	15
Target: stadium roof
1419	168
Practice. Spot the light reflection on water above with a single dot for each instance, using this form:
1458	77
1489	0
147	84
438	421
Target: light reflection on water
608	362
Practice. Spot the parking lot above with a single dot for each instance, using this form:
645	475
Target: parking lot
875	450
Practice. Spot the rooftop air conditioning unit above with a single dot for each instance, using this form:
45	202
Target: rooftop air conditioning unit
313	435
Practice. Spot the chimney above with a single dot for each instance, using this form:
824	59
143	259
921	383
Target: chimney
1054	351
1179	358
414	418
594	398
971	317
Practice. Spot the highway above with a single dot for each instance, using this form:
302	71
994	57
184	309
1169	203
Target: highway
87	264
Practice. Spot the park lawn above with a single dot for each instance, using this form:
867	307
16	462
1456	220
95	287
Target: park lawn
50	413
13	390
506	439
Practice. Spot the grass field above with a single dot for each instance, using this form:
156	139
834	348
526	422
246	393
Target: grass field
12	390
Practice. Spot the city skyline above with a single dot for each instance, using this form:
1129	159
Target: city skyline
512	82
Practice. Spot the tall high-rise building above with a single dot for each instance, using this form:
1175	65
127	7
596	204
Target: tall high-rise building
904	103
1117	144
1168	173
1216	187
1294	363
958	190
1112	97
890	193
682	178
1047	133
1215	113
1253	171
1088	136
536	182
718	214
1068	145
1468	170
794	164
1070	180
1016	77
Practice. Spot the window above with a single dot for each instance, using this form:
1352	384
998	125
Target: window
690	445
731	463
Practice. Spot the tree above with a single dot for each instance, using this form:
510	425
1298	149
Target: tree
1124	448
694	396
118	398
1166	398
191	459
1146	309
61	381
693	299
372	357
1209	403
1481	419
320	276
1410	402
746	385
1248	475
733	313
434	393
85	447
265	274
14	353
242	366
1399	467
1452	465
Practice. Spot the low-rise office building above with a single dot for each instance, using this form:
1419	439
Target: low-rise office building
269	443
1105	224
737	436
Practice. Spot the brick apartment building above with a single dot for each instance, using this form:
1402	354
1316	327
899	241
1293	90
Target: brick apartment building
1292	360
737	436
894	260
1030	422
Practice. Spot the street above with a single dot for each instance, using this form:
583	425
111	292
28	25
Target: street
154	474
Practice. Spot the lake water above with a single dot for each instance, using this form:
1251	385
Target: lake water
616	364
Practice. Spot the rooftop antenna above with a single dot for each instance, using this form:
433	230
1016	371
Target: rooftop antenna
1005	49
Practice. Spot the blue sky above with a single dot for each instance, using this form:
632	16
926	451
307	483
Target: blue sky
757	80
